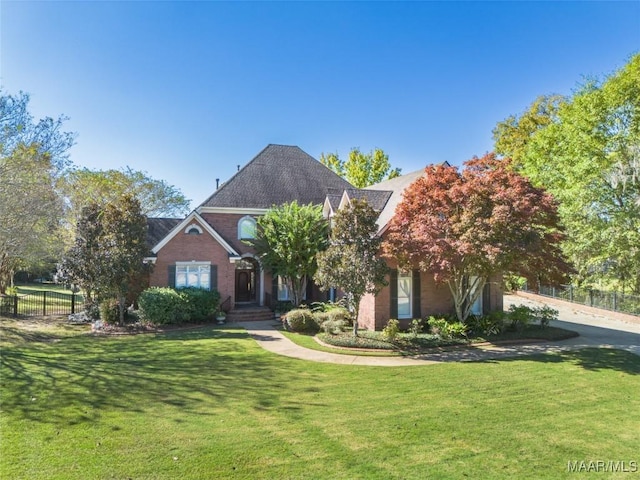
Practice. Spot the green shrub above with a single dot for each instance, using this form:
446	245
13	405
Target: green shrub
162	306
334	327
301	320
520	316
446	329
545	314
365	339
391	331
416	326
486	325
109	311
200	305
321	317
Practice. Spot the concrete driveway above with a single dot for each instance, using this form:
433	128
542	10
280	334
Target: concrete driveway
594	329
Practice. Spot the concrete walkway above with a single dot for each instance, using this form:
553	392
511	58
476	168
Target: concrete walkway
594	330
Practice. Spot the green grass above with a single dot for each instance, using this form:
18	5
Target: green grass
39	287
210	403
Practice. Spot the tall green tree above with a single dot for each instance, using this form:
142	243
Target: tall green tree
84	264
580	157
512	135
157	197
108	256
30	211
17	128
33	156
361	169
288	238
352	262
125	247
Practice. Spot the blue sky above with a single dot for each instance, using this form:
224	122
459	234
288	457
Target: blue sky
188	90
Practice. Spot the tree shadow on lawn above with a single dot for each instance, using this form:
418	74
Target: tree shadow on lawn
201	372
593	359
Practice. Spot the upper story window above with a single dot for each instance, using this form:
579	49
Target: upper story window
247	228
193	229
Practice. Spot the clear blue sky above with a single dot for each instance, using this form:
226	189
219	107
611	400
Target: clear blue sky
189	90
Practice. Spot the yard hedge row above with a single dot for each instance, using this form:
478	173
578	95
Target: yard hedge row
162	306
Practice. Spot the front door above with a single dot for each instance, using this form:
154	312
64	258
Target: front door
245	286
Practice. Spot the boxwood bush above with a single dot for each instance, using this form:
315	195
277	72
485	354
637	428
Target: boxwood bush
163	306
301	320
201	305
109	311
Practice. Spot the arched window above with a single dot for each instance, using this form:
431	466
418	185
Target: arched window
247	228
193	229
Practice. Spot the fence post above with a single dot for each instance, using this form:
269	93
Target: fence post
590	298
44	303
615	301
553	292
15	305
73	303
571	293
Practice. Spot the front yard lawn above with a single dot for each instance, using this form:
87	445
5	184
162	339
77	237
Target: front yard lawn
210	403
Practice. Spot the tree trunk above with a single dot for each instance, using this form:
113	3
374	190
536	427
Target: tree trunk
121	306
355	306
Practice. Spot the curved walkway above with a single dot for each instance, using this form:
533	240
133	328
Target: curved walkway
595	331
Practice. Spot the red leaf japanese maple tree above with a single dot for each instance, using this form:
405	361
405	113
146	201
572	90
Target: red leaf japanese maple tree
466	226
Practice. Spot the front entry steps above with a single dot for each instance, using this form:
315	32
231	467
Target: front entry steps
248	314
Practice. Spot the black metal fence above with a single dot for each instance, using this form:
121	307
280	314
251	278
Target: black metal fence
614	301
36	303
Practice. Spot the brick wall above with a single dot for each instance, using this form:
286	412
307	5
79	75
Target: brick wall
226	224
435	299
200	248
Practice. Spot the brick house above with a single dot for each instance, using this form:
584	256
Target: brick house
206	248
410	294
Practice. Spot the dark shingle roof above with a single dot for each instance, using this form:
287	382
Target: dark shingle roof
397	186
377	199
277	175
334	201
158	228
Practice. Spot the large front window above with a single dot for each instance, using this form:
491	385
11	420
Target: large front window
405	301
193	275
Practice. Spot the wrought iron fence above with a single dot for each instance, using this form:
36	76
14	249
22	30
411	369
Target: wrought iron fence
614	301
36	303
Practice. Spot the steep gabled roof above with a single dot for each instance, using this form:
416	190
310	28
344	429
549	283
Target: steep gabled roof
396	186
376	199
194	219
158	228
277	175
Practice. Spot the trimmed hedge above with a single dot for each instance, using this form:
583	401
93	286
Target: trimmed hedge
301	320
163	306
